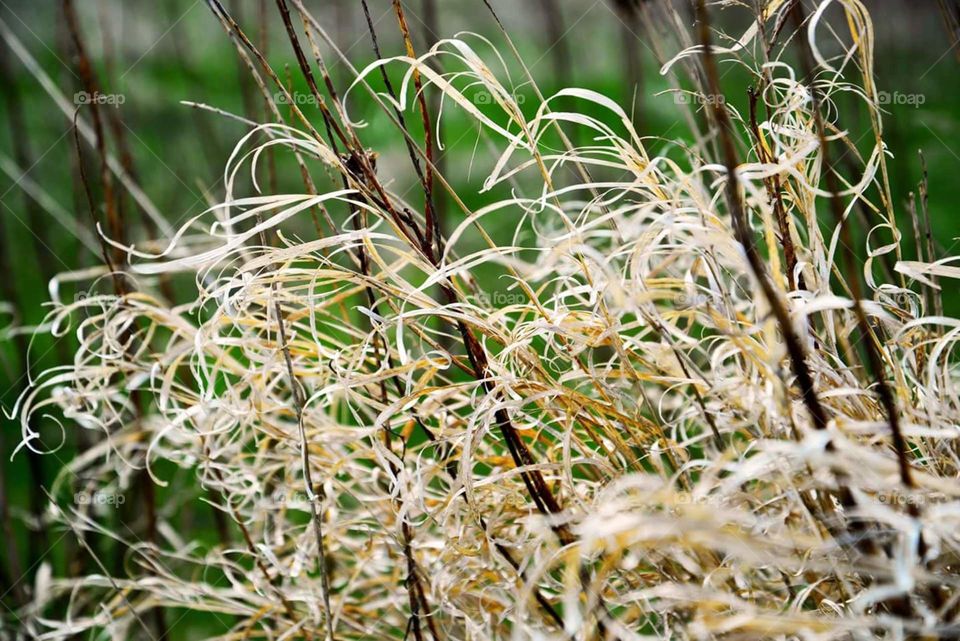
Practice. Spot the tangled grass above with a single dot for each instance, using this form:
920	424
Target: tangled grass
693	412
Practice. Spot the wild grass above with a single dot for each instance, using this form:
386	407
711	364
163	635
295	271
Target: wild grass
700	394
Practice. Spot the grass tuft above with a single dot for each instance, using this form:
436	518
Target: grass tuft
676	400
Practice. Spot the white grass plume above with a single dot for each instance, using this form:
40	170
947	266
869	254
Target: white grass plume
635	361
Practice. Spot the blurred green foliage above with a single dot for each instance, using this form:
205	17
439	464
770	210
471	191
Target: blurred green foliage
158	54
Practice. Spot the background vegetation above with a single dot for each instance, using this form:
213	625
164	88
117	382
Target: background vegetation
152	56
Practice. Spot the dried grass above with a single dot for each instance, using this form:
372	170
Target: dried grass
625	449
